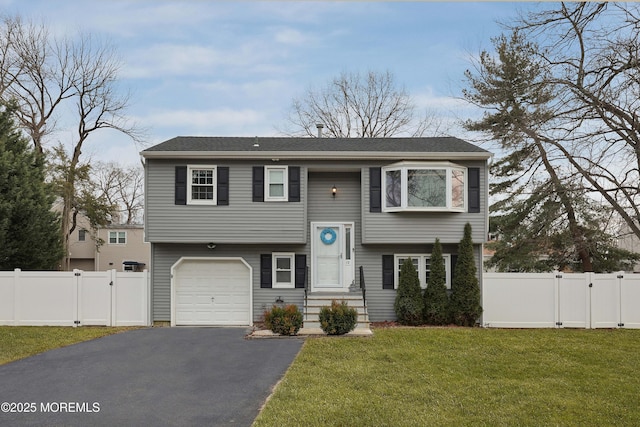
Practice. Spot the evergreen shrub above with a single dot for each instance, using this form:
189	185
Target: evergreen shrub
338	319
465	307
283	320
409	304
436	300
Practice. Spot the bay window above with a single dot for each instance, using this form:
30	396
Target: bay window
424	187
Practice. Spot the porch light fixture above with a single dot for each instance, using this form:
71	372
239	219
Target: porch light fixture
334	191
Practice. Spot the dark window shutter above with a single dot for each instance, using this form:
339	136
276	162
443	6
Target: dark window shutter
258	183
474	189
388	272
301	270
223	186
265	271
454	261
294	183
375	190
181	185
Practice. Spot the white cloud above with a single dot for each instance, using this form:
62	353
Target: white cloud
171	60
428	99
259	89
203	120
291	36
174	59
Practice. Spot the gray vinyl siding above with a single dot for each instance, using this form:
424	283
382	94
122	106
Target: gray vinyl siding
380	301
345	206
418	227
165	255
247	229
243	221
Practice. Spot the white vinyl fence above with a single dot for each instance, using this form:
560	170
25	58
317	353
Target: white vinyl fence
561	300
74	298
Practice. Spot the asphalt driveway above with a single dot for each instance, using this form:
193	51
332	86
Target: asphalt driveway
154	377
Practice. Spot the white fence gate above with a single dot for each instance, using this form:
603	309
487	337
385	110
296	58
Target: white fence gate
74	298
561	300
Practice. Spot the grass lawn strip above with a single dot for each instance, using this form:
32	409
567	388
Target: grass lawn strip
18	342
462	376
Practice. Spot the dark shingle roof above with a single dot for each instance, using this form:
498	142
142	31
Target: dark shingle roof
367	147
207	143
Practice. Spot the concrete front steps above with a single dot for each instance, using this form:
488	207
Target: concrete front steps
317	300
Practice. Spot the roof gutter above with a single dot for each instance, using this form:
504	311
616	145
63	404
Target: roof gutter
317	155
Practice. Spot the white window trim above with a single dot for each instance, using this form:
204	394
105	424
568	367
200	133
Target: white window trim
422	272
285	183
117	238
274	269
404	167
214	200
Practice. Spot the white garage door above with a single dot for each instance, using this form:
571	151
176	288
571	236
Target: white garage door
212	292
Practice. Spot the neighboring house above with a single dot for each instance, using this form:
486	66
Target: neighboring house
238	224
122	247
627	240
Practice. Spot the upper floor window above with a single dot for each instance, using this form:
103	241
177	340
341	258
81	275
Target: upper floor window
422	263
117	237
276	183
82	235
424	187
201	188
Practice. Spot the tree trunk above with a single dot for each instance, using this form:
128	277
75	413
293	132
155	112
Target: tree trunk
67	207
561	190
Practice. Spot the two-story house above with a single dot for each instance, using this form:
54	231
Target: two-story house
238	224
120	247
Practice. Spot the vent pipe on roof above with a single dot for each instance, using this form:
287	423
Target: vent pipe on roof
319	126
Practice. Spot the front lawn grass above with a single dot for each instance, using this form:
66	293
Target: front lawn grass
18	342
462	376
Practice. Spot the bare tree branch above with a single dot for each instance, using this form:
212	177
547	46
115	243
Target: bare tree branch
359	106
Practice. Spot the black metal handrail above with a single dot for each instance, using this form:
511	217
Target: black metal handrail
363	287
306	286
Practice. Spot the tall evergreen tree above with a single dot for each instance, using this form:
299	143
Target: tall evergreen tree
465	296
436	300
29	229
514	83
408	304
560	95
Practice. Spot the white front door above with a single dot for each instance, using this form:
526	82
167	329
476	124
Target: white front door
332	253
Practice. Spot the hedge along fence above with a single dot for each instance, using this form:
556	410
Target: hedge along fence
561	300
74	298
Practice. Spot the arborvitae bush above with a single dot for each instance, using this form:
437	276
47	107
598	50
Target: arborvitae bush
283	321
30	237
409	304
338	319
465	307
436	300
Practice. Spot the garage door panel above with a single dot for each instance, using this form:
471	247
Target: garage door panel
212	292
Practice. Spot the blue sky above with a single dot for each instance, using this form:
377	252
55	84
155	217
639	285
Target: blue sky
232	68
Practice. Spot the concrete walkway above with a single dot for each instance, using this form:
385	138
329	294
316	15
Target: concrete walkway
154	377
